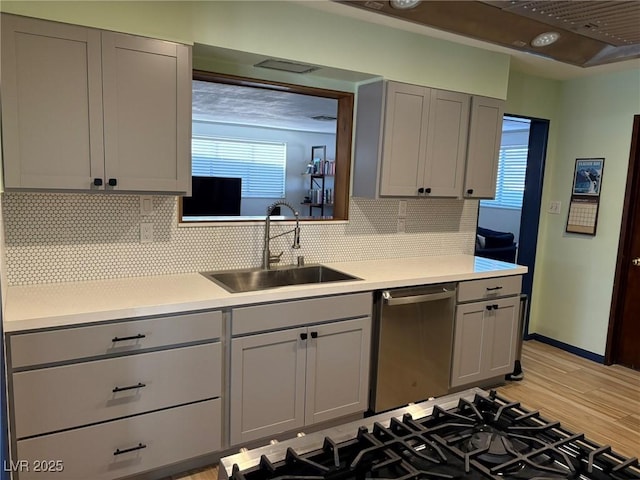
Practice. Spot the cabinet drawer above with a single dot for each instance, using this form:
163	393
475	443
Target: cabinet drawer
489	288
168	436
300	312
51	399
120	337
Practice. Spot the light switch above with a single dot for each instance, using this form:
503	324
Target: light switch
402	208
146	204
402	223
554	207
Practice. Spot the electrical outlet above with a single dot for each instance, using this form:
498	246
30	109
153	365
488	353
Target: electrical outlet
554	207
402	224
146	232
146	204
402	208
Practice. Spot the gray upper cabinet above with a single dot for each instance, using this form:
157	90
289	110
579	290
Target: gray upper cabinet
485	135
51	104
419	141
87	109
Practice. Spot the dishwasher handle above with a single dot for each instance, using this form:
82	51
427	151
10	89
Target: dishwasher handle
428	297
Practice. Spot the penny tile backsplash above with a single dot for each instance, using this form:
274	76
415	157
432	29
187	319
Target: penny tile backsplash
62	237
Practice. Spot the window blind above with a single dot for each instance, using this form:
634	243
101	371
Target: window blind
512	169
261	165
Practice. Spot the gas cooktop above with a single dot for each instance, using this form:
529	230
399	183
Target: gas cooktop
471	435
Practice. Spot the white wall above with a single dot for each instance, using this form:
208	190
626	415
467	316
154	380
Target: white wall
501	219
298	156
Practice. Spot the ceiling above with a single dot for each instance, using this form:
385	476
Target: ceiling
219	102
592	33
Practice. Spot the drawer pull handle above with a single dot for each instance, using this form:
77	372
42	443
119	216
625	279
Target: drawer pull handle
490	289
140	446
495	307
130	387
314	334
303	336
489	307
123	339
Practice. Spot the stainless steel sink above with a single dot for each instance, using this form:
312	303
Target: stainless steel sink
236	281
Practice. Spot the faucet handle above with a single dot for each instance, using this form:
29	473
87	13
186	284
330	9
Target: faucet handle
274	258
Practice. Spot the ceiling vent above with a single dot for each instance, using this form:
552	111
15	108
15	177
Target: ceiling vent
284	66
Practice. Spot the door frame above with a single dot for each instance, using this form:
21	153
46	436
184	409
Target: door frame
532	206
630	212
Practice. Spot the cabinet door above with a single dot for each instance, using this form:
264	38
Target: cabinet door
502	333
267	384
147	113
51	104
468	344
485	134
404	144
485	340
337	369
446	143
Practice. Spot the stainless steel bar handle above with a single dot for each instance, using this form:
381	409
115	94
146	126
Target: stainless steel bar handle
429	297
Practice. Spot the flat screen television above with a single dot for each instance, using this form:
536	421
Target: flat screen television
213	196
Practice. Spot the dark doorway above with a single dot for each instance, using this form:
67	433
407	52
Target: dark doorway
624	328
523	222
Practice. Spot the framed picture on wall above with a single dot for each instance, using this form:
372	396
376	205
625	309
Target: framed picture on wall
585	196
587	177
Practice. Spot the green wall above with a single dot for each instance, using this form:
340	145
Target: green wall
576	271
293	31
590	117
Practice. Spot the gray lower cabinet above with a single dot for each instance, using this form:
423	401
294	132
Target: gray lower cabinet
86	109
286	379
124	447
485	338
116	399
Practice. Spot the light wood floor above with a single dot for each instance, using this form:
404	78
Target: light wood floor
586	397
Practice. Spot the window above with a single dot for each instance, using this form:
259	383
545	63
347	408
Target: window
261	165
215	128
512	168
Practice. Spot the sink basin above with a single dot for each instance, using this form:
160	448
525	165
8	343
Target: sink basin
236	281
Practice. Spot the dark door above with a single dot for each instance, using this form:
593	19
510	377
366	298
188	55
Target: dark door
624	325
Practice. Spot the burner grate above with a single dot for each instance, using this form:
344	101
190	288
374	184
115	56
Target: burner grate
483	438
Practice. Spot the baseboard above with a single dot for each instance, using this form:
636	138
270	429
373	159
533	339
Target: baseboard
566	347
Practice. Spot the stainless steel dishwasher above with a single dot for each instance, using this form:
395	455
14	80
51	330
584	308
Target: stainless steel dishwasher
413	341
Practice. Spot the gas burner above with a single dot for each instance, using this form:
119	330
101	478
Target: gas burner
484	437
492	445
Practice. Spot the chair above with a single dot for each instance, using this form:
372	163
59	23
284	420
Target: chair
496	245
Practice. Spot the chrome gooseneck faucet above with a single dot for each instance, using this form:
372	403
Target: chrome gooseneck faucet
267	257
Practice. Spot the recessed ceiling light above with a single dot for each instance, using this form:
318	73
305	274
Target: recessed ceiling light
544	39
404	4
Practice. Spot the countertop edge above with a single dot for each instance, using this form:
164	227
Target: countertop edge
210	296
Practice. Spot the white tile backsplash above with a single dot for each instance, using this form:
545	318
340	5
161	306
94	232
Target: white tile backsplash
62	237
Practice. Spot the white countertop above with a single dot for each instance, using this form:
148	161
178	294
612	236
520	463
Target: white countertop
65	304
